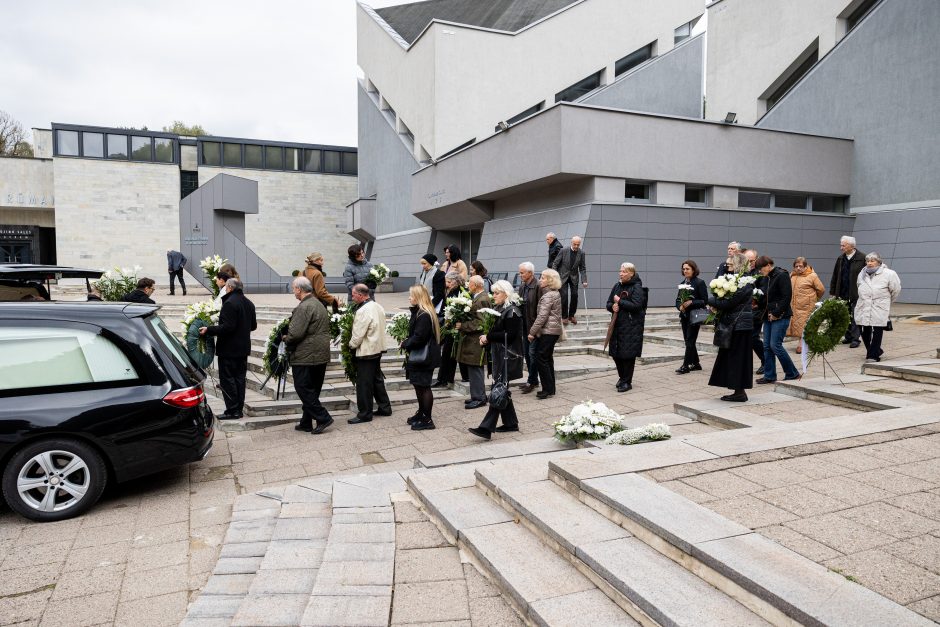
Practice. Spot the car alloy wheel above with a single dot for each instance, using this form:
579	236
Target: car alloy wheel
54	479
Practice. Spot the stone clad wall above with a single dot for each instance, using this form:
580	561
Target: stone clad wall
116	213
298	213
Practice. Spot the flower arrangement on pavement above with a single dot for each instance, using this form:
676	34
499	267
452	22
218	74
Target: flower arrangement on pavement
114	284
210	267
587	421
649	433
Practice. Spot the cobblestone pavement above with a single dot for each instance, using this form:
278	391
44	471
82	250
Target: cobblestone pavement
140	555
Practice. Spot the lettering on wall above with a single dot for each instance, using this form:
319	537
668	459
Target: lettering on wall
29	199
436	199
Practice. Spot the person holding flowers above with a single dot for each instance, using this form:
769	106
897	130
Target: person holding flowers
505	341
424	354
368	341
693	295
445	375
626	303
357	269
731	297
470	351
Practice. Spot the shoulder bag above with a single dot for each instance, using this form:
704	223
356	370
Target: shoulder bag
499	392
698	316
723	332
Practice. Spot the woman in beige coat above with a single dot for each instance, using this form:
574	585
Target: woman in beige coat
807	289
547	327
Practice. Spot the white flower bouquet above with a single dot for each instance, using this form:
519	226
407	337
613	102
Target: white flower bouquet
377	274
398	327
210	267
490	316
587	421
758	293
729	284
685	293
205	311
114	284
649	433
336	321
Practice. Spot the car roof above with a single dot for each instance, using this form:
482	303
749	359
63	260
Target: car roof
40	272
74	310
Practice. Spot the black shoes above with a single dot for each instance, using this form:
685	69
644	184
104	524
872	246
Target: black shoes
527	388
474	404
384	412
855	344
543	395
480	433
735	398
796	378
695	367
321	427
760	370
763	381
439	385
624	387
228	416
357	420
683	369
415	418
304	426
846	341
506	429
423	425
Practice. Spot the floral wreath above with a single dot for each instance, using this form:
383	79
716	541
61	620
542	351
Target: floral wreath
826	326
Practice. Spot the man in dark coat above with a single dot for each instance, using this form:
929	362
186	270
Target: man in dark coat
175	262
531	292
308	345
145	288
777	311
571	266
844	284
626	341
554	247
757	308
236	322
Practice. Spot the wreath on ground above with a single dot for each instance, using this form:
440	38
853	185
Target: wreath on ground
826	326
274	361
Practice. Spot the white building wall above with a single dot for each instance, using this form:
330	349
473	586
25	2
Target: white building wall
116	213
299	213
751	43
26	183
457	82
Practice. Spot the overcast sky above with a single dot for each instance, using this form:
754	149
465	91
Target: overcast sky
282	70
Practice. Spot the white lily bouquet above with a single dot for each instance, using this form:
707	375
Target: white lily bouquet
210	267
398	327
588	421
649	433
114	284
685	293
205	311
377	274
490	316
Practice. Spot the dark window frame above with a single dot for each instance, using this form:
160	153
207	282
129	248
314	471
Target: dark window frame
582	87
627	63
106	131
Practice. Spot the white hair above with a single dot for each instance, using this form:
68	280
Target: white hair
873	257
848	239
576	237
626	265
303	284
528	266
736	245
476	279
504	286
551	235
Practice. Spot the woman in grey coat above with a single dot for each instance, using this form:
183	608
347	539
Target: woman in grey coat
357	270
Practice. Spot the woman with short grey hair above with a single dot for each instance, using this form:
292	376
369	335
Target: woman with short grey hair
547	327
628	317
878	287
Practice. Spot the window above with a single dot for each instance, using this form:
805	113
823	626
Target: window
311	160
36	357
170	342
292	157
253	156
93	145
828	204
580	88
523	115
232	155
67	143
274	158
350	163
792	79
331	162
790	201
117	146
694	195
754	200
210	153
685	31
163	149
140	148
860	12
633	59
637	191
189	182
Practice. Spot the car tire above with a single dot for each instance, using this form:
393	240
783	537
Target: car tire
54	479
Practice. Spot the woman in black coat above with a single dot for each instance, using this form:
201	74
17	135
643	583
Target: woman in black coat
698	300
626	341
445	376
505	342
733	366
423	331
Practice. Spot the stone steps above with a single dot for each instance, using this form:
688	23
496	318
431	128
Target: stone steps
834	394
916	370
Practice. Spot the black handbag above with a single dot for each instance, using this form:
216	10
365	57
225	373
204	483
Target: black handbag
698	316
499	392
420	356
723	332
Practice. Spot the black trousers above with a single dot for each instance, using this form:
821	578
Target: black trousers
370	383
508	415
530	352
178	274
690	335
546	362
232	371
308	381
445	374
872	338
757	344
569	289
854	332
625	369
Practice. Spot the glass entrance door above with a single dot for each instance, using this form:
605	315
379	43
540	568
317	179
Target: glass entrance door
15	252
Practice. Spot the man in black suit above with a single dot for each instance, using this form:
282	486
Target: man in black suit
236	322
844	283
571	266
554	247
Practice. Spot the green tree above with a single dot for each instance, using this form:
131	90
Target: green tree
12	138
181	128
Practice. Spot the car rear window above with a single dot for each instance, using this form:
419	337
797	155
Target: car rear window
33	357
169	341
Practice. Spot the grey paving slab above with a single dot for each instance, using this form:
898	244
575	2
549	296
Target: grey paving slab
804	590
350	573
534	446
430	602
617	461
244	549
525	569
453	457
305	510
343	518
552	510
301	494
388	482
740	441
671	516
359	552
671	419
440	479
287	581
301	529
511	472
214	606
589	608
851	396
491	611
349	495
237	565
464	508
347	611
418	565
363	533
889	575
289	554
250	531
256	514
271	610
420	535
666	591
252	501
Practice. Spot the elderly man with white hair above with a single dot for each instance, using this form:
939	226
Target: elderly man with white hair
530	293
724	267
308	347
554	247
571	266
470	352
843	283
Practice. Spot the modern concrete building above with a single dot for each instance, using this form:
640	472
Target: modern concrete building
835	131
105	197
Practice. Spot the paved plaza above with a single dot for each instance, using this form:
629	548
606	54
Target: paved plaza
867	507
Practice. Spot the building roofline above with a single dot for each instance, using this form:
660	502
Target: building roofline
401	41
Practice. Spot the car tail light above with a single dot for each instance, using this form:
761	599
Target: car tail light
188	397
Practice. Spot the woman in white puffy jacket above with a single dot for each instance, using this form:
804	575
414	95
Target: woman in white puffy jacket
878	287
